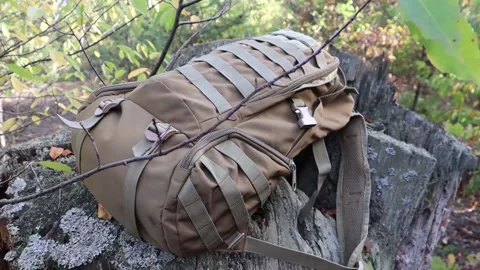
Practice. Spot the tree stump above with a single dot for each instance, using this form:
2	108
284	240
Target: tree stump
415	169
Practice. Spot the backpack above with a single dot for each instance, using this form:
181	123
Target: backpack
201	196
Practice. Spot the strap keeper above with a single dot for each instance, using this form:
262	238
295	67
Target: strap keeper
233	240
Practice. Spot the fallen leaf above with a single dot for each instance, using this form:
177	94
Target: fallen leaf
55	152
332	212
66	153
103	213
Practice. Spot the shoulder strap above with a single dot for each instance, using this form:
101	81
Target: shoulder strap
353	200
353	191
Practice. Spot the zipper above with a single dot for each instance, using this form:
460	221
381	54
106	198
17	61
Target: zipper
256	143
307	78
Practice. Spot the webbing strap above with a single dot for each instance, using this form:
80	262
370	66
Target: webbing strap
81	136
87	123
324	166
232	195
132	178
250	60
256	177
287	48
237	79
267	249
197	79
269	53
199	216
307	40
353	192
299	45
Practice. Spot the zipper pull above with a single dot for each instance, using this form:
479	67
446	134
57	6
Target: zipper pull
293	169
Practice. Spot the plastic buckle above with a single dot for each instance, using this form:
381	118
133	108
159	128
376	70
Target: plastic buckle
305	119
105	106
165	132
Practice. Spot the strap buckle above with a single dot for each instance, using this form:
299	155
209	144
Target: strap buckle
305	119
165	131
106	105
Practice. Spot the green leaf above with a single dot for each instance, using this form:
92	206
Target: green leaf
450	41
437	264
36	120
6	125
22	72
34	13
56	166
119	73
140	5
73	62
168	18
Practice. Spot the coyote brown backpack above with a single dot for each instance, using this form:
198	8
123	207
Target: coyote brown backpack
200	197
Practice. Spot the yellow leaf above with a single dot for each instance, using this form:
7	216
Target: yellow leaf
58	58
186	13
14	127
34	104
451	260
194	18
6	125
175	3
103	213
36	120
18	85
136	72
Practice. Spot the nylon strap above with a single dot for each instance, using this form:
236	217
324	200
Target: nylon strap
287	48
237	79
353	192
299	45
270	54
197	79
250	60
267	249
232	195
132	178
199	216
308	41
324	166
248	166
87	123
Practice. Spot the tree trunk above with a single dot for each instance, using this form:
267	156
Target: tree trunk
415	167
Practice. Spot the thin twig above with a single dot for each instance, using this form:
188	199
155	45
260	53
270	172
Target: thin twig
25	126
17	45
222	11
192	139
97	154
169	40
103	37
189	4
194	35
86	55
36	176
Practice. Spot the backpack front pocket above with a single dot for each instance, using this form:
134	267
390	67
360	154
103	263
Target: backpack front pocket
231	177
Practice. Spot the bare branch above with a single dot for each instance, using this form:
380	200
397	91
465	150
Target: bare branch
86	55
222	11
19	44
193	2
192	139
104	36
97	154
25	126
170	39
